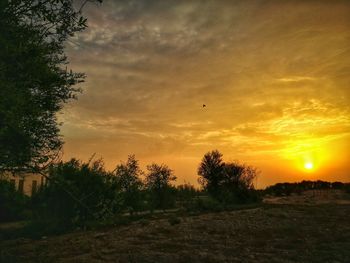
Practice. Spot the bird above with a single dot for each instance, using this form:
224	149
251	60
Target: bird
204	105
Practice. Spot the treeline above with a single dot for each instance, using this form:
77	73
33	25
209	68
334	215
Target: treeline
80	192
286	189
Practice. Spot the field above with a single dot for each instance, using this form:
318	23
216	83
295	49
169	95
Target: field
313	227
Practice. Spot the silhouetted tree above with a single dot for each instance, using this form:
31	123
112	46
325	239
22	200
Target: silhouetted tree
227	182
34	80
211	171
158	182
237	185
128	181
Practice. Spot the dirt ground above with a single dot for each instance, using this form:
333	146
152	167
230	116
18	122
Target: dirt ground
288	230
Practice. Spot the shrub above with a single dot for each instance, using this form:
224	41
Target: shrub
174	220
347	187
77	192
185	195
206	204
12	202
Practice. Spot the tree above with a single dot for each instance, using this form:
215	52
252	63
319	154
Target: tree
237	185
227	182
128	182
210	171
34	80
239	175
158	182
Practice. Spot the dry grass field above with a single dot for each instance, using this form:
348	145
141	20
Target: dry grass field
280	230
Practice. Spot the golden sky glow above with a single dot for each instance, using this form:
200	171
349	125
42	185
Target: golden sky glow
274	76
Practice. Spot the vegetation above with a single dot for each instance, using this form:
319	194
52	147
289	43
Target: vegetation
286	189
269	233
186	196
34	80
84	195
79	192
127	180
158	183
227	182
12	203
34	86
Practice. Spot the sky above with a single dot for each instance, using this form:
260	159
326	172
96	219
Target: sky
274	76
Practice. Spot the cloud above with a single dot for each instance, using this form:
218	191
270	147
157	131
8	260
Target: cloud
268	71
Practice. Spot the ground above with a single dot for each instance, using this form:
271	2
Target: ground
280	230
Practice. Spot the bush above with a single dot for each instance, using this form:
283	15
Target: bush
12	202
174	220
185	195
347	188
77	192
207	204
238	196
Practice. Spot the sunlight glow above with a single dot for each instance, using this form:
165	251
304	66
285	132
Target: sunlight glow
309	166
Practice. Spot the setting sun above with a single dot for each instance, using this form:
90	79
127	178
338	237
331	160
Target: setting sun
309	166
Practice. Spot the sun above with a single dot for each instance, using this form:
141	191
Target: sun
308	166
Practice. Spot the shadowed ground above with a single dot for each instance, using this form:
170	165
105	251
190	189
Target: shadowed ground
277	232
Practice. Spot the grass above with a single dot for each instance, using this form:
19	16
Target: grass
252	233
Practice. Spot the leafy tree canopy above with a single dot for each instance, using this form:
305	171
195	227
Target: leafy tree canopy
211	170
158	183
128	175
228	182
128	181
159	176
34	80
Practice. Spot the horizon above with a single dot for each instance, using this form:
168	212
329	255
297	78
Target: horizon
272	75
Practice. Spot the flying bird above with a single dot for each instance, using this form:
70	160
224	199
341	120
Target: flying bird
204	105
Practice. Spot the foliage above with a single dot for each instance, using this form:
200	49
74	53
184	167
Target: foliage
286	189
237	185
206	204
34	80
174	220
227	182
210	171
77	192
12	202
128	182
185	195
158	183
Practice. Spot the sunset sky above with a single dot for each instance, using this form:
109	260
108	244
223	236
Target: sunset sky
274	76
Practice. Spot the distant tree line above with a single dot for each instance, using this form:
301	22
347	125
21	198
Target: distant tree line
286	189
79	192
